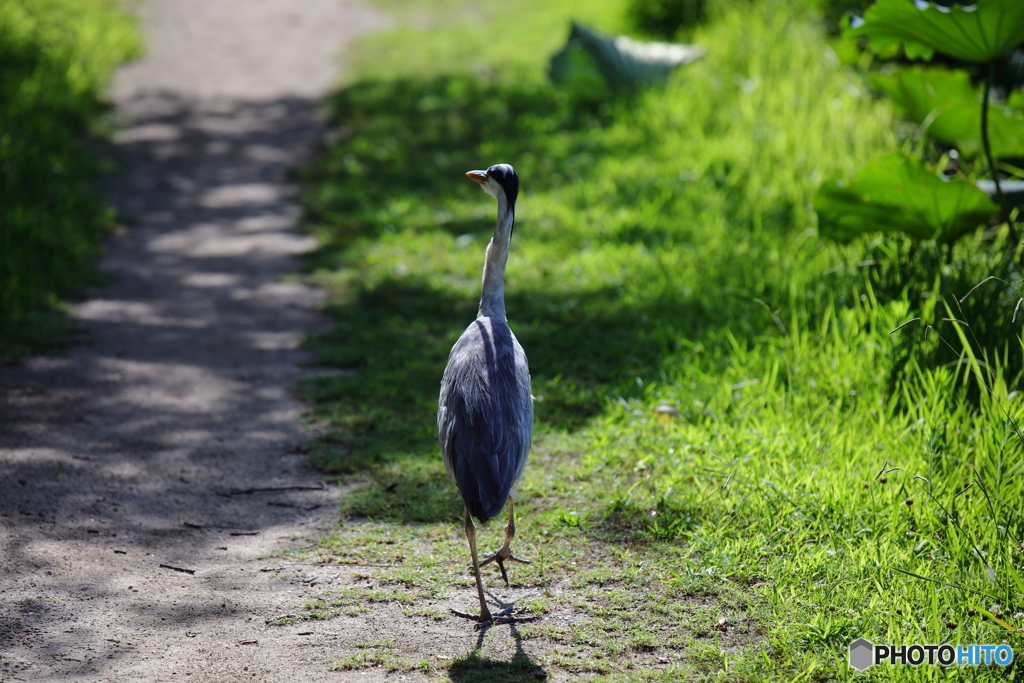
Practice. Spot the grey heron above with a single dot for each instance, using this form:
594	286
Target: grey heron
485	411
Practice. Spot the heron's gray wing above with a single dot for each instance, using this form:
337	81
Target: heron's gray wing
485	416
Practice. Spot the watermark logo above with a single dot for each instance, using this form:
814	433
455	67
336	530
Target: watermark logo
865	654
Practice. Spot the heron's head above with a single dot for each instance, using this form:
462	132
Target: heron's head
500	178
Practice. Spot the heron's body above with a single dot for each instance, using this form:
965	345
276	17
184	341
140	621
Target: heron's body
485	410
485	415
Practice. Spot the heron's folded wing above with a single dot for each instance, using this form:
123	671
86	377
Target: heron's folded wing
485	455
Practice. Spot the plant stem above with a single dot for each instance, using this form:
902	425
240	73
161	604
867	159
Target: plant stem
989	77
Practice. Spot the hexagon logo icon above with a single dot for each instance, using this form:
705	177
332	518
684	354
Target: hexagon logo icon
862	654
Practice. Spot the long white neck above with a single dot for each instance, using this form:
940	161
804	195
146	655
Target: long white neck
492	298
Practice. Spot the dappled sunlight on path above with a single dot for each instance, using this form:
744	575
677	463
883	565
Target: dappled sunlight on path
147	472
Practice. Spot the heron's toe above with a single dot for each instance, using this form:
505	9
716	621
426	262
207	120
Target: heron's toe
484	618
500	557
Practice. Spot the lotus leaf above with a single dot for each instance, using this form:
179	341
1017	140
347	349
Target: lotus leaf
898	194
978	33
949	107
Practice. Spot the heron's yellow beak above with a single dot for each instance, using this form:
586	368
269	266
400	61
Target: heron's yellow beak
478	176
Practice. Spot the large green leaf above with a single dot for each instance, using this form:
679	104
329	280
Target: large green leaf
977	33
622	63
949	107
896	194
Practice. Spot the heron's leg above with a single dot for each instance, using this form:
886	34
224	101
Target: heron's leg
506	553
485	614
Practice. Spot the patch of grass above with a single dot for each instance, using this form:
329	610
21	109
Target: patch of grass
353	601
736	469
382	653
56	57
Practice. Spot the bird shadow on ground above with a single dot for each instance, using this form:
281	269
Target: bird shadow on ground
476	668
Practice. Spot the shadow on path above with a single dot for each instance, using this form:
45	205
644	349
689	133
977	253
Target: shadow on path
133	458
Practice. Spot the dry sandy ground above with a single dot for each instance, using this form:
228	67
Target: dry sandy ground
150	479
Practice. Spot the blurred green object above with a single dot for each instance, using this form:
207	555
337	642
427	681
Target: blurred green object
665	18
948	107
897	194
833	11
56	57
596	66
978	33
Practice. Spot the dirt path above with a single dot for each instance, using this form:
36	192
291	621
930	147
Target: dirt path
130	534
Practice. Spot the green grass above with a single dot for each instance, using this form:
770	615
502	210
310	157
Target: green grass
56	57
805	477
380	653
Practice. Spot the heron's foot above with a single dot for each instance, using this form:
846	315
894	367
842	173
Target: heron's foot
502	616
482	618
500	556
